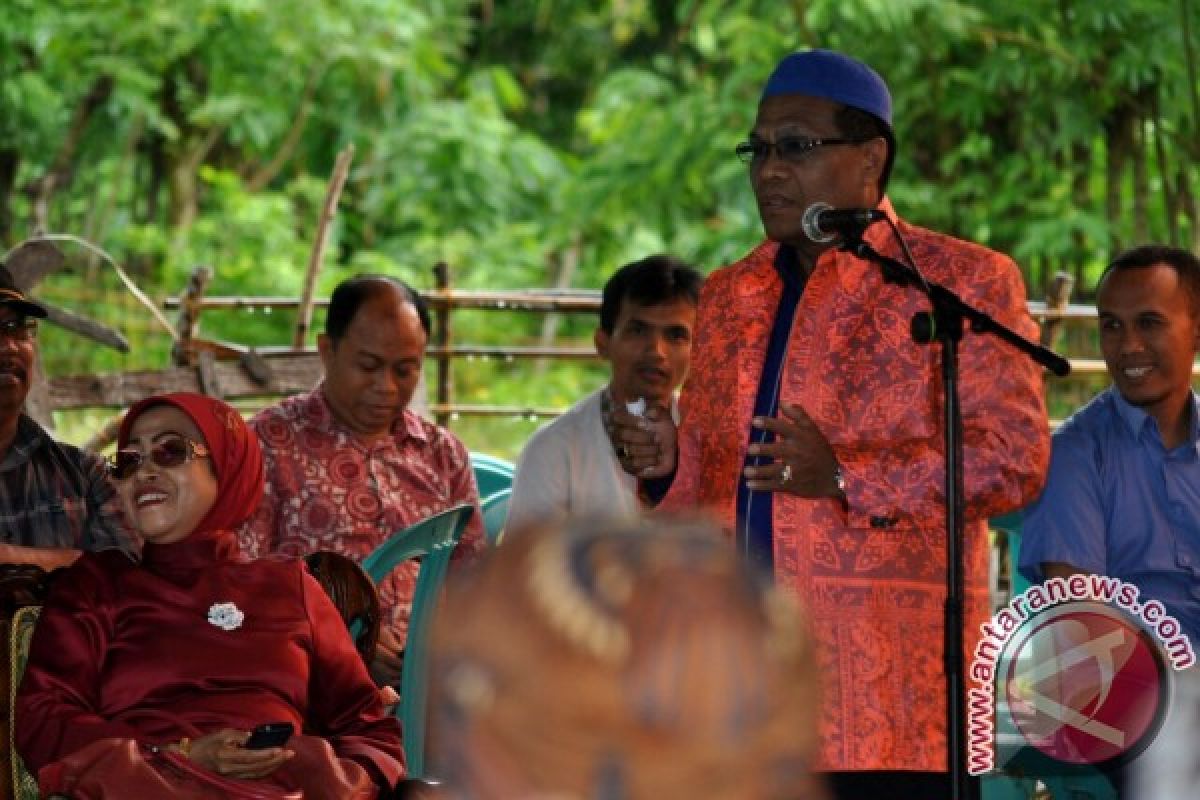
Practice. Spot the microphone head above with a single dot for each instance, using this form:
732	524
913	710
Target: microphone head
810	223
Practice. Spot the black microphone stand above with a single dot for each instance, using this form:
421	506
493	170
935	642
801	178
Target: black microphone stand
944	324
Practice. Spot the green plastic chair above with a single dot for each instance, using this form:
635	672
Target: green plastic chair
433	540
1010	525
1061	781
495	512
492	474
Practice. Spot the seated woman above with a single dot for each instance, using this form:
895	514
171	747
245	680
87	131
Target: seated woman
144	680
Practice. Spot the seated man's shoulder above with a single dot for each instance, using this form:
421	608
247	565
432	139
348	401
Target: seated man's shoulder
277	425
1091	422
575	420
84	459
441	440
1094	436
572	426
288	410
64	457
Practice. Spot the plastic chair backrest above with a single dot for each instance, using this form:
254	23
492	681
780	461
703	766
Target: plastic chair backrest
495	512
433	539
491	474
1061	781
1011	525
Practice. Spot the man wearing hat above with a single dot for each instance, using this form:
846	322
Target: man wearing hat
812	424
55	499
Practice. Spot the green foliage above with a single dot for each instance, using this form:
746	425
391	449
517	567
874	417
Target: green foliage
513	140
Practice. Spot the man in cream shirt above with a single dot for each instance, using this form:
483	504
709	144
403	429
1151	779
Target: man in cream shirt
570	467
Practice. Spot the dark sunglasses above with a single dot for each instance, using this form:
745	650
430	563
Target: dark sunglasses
170	451
792	149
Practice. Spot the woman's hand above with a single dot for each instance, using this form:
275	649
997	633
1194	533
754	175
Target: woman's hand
222	752
390	698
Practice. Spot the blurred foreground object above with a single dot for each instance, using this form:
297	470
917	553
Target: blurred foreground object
620	660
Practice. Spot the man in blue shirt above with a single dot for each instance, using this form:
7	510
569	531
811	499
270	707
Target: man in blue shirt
1123	494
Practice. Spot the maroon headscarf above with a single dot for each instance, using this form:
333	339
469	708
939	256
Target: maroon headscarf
233	449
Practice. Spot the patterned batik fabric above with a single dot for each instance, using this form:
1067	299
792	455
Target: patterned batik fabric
326	490
871	573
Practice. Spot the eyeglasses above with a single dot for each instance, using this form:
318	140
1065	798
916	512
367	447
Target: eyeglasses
170	451
20	329
791	149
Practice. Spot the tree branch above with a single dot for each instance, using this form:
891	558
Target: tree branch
1170	198
58	175
264	175
1189	60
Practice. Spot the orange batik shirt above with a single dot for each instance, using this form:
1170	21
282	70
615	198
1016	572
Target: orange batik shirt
871	574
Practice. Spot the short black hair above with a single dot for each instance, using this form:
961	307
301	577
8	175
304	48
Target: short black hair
351	293
648	282
1184	262
860	126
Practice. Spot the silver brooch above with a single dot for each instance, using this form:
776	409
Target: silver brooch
225	616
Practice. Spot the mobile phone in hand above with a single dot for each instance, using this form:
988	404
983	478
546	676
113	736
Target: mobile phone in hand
270	734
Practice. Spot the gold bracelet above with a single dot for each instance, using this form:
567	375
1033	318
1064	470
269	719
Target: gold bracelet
183	747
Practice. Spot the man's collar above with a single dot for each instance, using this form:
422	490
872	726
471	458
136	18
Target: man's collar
879	236
411	423
787	265
1136	419
1133	417
322	417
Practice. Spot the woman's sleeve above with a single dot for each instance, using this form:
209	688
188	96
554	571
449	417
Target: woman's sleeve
57	704
344	705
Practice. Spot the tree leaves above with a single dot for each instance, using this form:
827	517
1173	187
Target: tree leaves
500	136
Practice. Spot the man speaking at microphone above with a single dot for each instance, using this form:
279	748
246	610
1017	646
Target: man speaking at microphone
812	423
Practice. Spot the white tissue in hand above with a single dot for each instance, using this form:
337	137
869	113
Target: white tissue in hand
636	407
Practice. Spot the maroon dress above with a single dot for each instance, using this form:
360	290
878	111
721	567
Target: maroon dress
156	652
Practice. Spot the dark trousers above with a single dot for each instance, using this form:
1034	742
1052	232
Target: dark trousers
897	785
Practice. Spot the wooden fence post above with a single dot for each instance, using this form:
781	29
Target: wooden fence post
341	168
1057	298
183	353
441	337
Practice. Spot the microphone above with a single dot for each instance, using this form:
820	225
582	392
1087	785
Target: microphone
824	223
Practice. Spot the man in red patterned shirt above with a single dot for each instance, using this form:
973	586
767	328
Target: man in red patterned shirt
811	425
348	464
